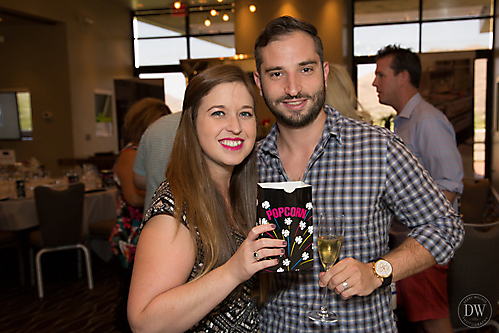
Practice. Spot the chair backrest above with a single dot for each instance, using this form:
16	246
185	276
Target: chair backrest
473	201
475	268
60	214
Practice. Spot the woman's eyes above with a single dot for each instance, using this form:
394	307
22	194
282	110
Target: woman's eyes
217	113
242	113
246	113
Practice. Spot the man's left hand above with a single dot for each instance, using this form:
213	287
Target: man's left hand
350	277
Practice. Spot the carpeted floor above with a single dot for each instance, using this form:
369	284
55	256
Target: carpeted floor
68	305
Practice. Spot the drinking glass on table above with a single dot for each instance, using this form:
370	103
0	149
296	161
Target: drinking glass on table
329	240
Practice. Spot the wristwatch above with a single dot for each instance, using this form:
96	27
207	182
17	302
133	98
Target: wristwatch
383	270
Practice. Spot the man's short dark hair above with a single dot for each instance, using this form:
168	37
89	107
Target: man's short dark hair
402	60
283	26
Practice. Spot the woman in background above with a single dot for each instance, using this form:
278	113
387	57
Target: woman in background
199	246
340	94
125	234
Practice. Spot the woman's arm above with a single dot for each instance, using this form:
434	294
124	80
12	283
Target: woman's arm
124	169
160	300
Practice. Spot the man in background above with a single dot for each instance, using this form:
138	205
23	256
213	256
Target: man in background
153	154
427	132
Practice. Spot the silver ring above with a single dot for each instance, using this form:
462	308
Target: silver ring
256	255
345	285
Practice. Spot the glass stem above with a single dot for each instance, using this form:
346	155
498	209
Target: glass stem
324	300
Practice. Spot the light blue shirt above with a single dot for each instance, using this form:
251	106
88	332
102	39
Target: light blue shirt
429	135
154	151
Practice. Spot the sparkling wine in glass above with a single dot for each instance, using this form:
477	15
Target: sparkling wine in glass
329	240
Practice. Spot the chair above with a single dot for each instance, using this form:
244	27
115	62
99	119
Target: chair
101	229
98	238
473	201
475	270
9	239
60	215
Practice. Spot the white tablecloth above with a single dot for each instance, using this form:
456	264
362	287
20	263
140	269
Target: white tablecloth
20	214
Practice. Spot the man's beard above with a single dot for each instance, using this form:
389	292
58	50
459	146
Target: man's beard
299	118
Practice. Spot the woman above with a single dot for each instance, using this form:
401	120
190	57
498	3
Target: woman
130	200
340	94
193	264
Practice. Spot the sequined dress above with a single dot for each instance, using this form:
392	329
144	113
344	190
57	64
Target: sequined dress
238	311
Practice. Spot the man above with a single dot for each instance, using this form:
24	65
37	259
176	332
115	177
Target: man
430	136
153	154
360	172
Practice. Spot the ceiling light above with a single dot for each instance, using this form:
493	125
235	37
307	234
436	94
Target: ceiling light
177	4
252	8
213	12
225	17
207	22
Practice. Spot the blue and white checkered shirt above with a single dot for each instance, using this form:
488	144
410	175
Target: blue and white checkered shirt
366	174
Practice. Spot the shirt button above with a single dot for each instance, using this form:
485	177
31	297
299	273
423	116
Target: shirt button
304	306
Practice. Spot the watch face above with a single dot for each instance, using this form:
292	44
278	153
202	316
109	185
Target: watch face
383	268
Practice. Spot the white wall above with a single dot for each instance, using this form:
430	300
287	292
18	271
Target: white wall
98	49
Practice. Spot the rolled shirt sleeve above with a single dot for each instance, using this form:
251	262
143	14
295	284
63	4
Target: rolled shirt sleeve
419	204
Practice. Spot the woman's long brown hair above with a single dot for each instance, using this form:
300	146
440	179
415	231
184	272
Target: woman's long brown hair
192	186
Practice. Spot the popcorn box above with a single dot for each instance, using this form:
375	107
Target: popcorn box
289	206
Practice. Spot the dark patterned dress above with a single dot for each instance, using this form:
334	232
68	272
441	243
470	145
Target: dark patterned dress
125	234
238	311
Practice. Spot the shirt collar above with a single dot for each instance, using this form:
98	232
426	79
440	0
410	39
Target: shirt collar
410	106
332	128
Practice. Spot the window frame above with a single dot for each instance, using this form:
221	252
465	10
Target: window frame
420	21
176	68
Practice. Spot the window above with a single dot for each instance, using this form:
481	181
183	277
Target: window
422	25
162	38
25	118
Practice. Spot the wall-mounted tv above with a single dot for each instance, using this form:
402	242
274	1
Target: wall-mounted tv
9	117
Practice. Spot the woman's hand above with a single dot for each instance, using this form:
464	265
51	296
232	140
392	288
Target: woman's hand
243	265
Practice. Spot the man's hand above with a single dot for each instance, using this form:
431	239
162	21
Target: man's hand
358	278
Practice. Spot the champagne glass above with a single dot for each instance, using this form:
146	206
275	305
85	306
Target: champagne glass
329	240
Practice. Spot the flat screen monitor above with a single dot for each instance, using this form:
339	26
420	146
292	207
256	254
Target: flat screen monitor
9	117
